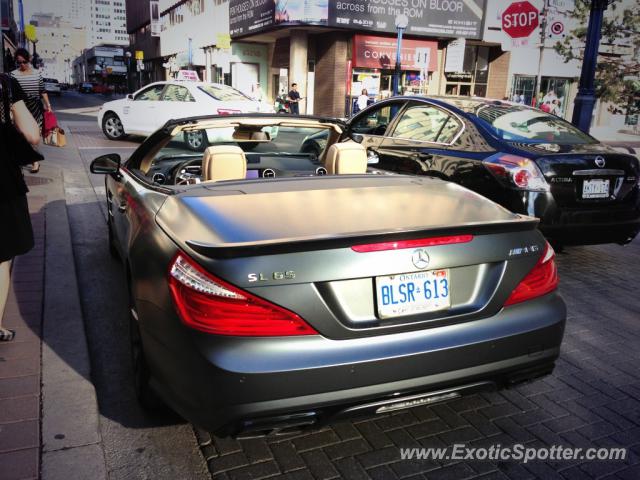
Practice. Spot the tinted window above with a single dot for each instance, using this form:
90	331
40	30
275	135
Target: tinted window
527	125
224	93
375	121
151	93
177	93
427	124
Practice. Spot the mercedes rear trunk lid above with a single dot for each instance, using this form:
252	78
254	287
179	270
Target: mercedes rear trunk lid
331	249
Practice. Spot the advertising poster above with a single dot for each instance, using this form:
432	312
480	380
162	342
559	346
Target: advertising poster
250	16
440	18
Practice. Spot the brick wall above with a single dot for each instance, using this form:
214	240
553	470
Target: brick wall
330	78
498	73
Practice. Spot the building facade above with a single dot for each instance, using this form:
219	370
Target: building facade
59	43
108	23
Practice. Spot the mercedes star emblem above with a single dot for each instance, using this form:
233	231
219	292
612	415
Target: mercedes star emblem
420	258
600	162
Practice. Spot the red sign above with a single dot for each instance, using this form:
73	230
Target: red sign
520	19
371	51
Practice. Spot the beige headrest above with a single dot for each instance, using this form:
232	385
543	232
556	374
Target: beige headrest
223	162
346	158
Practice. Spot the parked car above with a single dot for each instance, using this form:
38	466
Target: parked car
52	86
149	108
530	162
85	87
270	289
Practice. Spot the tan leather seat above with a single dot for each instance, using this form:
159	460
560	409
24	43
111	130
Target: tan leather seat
223	162
346	158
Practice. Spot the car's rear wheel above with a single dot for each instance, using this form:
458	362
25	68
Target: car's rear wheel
196	140
112	127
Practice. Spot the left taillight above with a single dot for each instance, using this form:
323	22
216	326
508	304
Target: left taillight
516	171
211	305
542	279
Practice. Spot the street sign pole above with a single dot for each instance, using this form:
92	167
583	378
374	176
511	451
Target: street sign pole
586	98
543	38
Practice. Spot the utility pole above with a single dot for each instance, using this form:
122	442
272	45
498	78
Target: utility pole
586	98
543	37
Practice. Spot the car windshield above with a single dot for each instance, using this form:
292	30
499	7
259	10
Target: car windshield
269	151
223	93
526	125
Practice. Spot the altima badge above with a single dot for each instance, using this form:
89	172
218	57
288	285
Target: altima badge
600	161
420	258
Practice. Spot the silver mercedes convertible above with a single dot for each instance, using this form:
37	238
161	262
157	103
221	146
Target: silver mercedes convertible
272	289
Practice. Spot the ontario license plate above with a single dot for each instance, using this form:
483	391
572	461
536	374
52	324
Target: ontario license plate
413	293
596	188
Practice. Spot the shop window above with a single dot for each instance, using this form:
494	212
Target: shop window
475	75
426	124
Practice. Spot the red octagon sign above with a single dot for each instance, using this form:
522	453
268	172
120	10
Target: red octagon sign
520	19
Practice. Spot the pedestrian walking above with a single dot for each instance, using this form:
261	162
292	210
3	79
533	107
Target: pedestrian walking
30	79
363	100
15	223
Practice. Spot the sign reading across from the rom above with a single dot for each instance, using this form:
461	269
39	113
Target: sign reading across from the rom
440	18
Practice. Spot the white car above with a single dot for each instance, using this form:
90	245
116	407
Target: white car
51	86
148	109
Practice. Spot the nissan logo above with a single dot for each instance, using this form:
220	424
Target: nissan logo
600	162
420	258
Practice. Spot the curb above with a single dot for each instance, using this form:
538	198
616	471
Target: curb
71	441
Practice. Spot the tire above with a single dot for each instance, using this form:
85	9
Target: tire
196	140
112	127
147	397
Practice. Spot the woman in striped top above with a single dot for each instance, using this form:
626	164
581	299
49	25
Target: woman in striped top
32	84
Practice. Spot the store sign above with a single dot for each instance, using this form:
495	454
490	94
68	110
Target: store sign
250	16
380	52
440	18
455	56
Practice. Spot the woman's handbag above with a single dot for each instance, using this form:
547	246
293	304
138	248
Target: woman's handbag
23	152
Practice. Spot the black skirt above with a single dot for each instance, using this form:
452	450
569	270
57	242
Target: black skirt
15	224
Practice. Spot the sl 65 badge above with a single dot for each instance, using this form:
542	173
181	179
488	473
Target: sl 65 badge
261	277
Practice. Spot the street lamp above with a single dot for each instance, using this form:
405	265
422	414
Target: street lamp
586	98
401	24
127	62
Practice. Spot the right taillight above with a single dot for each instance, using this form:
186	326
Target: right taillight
211	305
542	279
516	171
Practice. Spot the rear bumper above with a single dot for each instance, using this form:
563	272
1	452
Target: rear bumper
586	224
229	385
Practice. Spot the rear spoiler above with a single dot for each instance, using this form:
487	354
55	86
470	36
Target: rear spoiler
293	245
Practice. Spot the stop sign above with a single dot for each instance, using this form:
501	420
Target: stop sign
520	19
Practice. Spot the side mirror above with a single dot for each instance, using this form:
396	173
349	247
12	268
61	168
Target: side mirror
356	137
129	96
106	164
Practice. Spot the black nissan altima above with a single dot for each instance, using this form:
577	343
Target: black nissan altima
531	162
